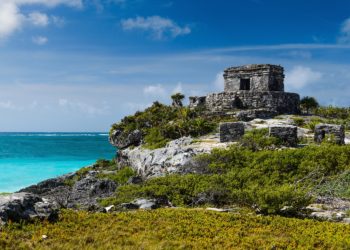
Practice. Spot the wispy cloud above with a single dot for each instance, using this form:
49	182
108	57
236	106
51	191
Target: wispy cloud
40	40
345	32
38	19
159	27
154	90
219	81
297	46
83	107
301	76
12	19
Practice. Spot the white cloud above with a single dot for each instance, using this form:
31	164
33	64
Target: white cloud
40	40
154	90
159	27
7	105
345	32
178	88
219	81
58	21
301	76
38	19
83	107
11	18
49	3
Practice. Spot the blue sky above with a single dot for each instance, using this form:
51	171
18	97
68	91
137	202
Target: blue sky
80	65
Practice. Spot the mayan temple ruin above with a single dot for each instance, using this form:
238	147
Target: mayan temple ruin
251	91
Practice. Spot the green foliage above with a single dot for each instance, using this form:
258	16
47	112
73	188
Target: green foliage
100	164
177	99
258	139
266	180
308	103
298	121
161	123
335	186
120	177
333	112
175	229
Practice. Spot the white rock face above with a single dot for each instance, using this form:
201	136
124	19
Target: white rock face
162	161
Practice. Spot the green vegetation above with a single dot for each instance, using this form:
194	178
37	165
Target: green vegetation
119	177
177	99
175	229
265	180
333	112
308	103
161	123
258	139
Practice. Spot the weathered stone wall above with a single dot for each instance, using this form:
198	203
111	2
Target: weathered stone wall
288	134
231	131
323	130
280	102
262	77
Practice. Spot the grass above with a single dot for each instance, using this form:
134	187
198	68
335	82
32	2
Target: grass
175	229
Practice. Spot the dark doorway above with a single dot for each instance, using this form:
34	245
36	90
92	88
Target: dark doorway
245	84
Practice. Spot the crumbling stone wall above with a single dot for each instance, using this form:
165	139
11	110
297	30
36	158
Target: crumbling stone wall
280	102
231	131
261	77
288	134
258	89
332	130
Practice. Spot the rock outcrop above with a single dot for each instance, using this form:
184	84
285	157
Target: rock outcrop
82	194
25	206
122	140
323	130
170	159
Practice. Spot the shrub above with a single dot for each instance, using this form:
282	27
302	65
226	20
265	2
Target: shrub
120	177
258	139
161	123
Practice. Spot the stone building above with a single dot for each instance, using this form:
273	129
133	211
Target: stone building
255	90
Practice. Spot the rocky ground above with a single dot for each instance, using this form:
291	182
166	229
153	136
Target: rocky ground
83	191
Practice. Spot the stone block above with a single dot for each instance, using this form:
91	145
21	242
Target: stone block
331	130
231	131
288	134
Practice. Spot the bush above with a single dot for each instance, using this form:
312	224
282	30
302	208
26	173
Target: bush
120	177
333	112
161	123
258	139
266	180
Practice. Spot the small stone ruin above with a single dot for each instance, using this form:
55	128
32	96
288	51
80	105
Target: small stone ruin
288	134
257	90
231	131
333	131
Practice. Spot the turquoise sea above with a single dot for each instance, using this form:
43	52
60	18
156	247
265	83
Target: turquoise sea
28	158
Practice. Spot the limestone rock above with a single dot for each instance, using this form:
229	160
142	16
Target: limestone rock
338	131
288	134
122	140
25	206
248	115
146	204
231	131
83	194
170	159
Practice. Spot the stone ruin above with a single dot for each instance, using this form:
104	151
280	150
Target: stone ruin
231	131
331	130
251	91
234	131
287	134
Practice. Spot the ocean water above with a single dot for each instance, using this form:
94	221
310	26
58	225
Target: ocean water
28	158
